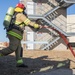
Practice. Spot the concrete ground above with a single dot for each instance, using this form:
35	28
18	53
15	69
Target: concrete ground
52	62
40	63
58	72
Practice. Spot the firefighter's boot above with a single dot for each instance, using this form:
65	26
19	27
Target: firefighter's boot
21	64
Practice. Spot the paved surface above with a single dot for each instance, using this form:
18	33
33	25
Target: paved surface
40	63
52	62
58	72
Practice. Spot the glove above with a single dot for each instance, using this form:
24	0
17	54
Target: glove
36	26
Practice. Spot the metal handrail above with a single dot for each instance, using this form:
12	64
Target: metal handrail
51	43
50	23
51	11
69	1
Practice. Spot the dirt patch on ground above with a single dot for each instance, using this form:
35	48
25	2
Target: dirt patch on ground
38	61
52	56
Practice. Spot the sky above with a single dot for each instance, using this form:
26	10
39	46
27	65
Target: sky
71	10
5	4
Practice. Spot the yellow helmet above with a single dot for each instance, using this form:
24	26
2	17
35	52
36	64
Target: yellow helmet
17	9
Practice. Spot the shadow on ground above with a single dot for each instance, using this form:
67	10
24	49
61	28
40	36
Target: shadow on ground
38	65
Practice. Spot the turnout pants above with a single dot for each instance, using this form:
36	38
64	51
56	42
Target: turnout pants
14	46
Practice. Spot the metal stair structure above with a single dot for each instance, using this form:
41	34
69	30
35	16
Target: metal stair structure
47	17
52	43
51	16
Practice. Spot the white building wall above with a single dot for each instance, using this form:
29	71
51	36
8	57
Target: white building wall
71	26
71	23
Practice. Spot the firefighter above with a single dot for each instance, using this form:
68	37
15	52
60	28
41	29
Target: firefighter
15	34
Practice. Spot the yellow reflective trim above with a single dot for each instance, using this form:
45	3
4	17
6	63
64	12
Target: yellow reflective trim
14	34
17	23
27	21
20	61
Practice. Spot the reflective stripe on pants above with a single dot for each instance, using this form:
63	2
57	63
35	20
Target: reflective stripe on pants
15	35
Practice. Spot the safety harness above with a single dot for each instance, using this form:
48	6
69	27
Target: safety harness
16	26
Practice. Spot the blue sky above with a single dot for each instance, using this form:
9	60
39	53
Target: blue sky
71	10
5	4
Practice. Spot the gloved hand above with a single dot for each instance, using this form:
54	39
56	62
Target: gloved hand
37	29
